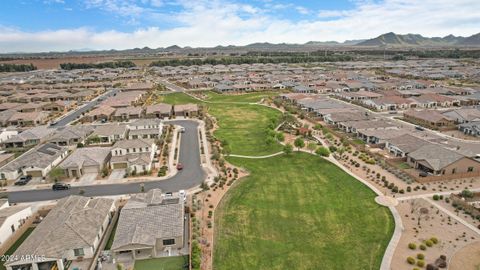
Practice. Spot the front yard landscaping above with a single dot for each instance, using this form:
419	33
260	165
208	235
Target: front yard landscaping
299	212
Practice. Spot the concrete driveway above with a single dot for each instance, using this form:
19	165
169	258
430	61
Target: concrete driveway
117	174
88	178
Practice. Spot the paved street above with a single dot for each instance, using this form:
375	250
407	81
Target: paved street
78	112
191	175
172	87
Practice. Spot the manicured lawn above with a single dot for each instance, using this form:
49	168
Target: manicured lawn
178	98
14	247
242	125
168	263
299	212
248	97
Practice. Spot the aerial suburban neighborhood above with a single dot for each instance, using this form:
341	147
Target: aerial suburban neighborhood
321	140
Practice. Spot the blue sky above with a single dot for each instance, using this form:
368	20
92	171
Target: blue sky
57	25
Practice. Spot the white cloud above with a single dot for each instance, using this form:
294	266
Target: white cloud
215	22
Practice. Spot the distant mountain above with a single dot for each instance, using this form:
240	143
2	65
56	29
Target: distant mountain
472	40
392	39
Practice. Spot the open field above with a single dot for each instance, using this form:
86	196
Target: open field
14	247
178	98
167	263
242	125
299	212
248	98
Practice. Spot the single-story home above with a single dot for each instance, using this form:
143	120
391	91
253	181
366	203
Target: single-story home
89	160
187	110
150	225
37	162
71	231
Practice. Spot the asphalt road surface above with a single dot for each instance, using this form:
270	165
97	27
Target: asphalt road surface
172	87
191	175
74	115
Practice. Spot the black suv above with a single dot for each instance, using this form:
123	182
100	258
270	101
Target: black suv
60	186
23	180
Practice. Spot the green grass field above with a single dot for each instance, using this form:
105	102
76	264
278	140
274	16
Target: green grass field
247	98
178	98
168	263
15	245
299	212
242	125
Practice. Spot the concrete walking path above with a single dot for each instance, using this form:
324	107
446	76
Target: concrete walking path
257	157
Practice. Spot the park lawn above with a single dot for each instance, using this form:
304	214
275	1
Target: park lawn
178	98
299	212
167	263
15	245
244	127
246	97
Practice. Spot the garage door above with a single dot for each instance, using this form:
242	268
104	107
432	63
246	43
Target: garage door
90	169
120	165
34	173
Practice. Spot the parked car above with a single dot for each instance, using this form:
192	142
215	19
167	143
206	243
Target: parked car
179	166
60	186
182	130
23	180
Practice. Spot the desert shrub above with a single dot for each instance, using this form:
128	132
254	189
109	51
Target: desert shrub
412	246
429	243
420	263
436	197
410	260
420	256
423	247
434	240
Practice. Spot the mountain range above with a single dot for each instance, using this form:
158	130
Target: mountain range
392	39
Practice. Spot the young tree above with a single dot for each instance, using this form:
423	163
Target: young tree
288	149
280	136
299	143
323	151
312	146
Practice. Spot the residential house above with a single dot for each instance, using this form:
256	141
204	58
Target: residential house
11	219
437	160
470	128
127	113
402	145
28	119
159	111
133	155
429	118
89	160
145	129
6	158
37	162
28	138
102	113
108	134
71	135
186	110
71	231
151	225
7	133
